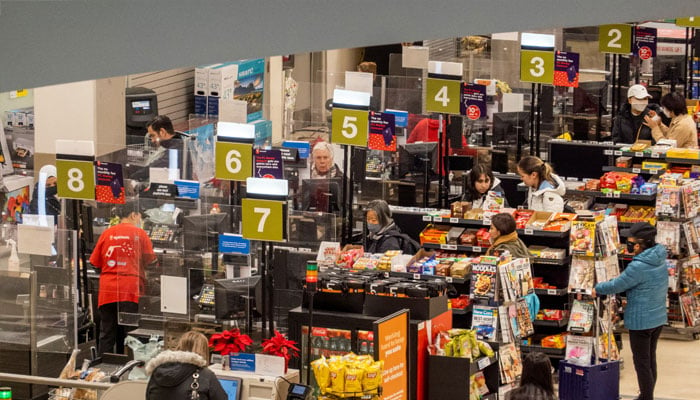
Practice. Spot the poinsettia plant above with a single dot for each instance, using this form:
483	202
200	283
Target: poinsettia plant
279	345
231	341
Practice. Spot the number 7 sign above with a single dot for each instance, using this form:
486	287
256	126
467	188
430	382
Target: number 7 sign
263	220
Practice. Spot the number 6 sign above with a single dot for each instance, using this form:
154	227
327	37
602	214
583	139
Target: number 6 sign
263	220
76	179
234	161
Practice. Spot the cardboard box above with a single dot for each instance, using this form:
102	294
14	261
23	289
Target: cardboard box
201	88
538	220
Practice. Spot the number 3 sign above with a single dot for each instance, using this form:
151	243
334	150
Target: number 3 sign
263	220
537	66
76	179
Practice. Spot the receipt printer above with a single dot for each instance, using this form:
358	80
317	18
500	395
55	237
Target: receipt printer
299	392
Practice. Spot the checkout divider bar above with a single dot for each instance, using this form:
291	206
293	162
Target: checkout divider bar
55	382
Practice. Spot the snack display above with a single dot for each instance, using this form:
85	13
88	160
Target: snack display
460	343
436	234
347	258
348	376
557	341
560	222
522	217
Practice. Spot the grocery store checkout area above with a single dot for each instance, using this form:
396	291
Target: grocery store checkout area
241	385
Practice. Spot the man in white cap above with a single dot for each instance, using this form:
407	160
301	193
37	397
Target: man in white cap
628	125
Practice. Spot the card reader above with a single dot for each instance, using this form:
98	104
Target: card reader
299	392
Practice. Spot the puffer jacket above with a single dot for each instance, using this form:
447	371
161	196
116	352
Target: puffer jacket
479	202
646	282
171	377
626	130
548	199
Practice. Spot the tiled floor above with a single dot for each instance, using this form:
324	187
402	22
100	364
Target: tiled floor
678	362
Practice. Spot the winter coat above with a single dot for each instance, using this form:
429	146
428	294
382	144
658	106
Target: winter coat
646	282
479	202
682	129
171	377
509	242
384	240
626	125
547	199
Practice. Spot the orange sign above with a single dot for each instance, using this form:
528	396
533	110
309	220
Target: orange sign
391	334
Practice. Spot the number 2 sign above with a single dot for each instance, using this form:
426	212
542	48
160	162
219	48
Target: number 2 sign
75	179
615	38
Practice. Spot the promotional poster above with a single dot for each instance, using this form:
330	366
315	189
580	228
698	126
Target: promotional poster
644	42
268	164
566	67
473	101
109	187
382	131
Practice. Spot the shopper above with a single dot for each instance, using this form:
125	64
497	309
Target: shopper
121	254
426	130
645	280
322	164
682	128
50	204
177	374
545	189
628	126
479	182
505	237
536	380
383	234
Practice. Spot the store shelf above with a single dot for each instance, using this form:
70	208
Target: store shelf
557	353
477	223
623	196
552	324
462	311
481	364
423	277
454	247
660	156
683	160
551	261
635	170
551	292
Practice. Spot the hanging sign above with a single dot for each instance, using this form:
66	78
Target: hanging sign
110	183
689	22
566	69
443	88
263	220
615	38
268	164
75	179
234	161
645	42
382	131
473	101
537	66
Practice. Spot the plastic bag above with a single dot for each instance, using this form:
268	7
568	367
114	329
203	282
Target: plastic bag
142	352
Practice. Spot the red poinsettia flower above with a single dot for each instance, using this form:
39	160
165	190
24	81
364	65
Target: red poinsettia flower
280	346
231	341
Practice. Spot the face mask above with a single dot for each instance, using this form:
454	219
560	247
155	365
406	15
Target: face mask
51	191
373	228
630	247
666	112
638	107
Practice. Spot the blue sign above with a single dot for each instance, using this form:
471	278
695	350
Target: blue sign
230	243
303	147
242	362
187	189
401	120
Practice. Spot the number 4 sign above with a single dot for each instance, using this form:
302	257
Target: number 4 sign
263	220
75	179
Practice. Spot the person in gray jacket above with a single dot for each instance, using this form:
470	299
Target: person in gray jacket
646	282
177	374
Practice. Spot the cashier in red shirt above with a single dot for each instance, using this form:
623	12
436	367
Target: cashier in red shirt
121	254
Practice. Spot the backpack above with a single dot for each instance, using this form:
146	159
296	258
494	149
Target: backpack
408	245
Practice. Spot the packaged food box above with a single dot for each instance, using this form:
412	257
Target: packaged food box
560	222
553	254
536	251
693	154
593	185
623	162
461	269
474	213
453	234
483	237
557	341
436	234
468	238
458	208
654	165
522	217
538	220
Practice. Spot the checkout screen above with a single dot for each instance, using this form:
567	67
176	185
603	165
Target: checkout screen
231	387
141	107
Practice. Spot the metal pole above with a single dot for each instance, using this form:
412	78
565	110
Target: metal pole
539	120
263	277
532	117
686	67
344	211
350	199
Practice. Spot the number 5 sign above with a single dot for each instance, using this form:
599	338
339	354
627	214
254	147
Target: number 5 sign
616	38
350	126
75	179
263	220
537	66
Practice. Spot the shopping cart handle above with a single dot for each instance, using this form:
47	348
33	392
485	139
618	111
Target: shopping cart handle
116	377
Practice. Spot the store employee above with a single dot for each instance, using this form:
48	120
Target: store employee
628	126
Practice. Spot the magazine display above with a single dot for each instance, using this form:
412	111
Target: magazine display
582	316
516	279
523	318
672	266
607	241
690	271
485	322
691	309
607	269
668	234
668	201
509	362
506	331
513	318
692	238
484	274
582	240
582	274
579	349
691	198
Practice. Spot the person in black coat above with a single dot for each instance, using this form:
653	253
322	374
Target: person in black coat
628	126
174	374
52	206
383	232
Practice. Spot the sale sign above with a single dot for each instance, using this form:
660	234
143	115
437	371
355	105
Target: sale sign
382	131
566	65
473	101
645	42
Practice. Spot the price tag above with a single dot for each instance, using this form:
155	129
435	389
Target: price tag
454	220
654	171
483	363
609	194
437	219
616	195
263	220
486	222
234	161
615	38
537	66
655	155
349	126
427	218
608	152
618	152
639	154
386	275
476	249
636	171
448	246
529	232
75	179
443	96
448	279
551	291
416	277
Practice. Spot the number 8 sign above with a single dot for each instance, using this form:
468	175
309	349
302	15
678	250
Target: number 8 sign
76	179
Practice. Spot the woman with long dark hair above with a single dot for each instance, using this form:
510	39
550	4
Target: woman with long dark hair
480	181
536	380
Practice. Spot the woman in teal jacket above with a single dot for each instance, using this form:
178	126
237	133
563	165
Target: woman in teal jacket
646	282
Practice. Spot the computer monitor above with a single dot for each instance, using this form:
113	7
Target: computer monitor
201	232
289	268
578	160
591	96
235	296
418	158
668	70
232	386
508	125
321	195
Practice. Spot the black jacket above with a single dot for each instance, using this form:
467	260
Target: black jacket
384	240
624	128
53	205
171	377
